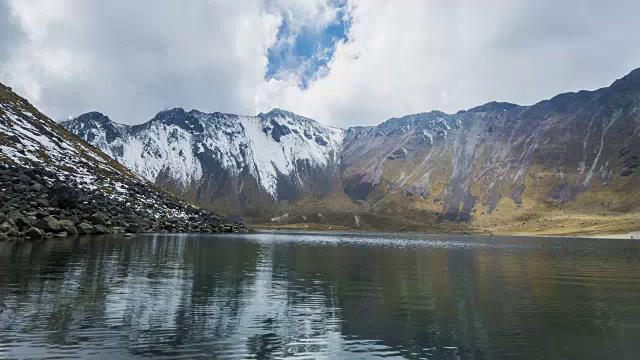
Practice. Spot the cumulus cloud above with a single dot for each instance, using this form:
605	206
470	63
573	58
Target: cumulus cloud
10	30
413	56
130	59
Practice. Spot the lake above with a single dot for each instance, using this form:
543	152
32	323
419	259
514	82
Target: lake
320	295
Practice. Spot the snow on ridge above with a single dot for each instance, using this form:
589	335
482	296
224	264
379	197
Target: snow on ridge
30	139
34	143
178	149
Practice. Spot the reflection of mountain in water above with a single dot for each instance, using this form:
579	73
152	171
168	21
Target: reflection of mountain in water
278	295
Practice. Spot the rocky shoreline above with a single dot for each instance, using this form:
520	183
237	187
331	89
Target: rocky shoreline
36	203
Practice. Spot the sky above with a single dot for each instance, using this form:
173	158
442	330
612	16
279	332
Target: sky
341	62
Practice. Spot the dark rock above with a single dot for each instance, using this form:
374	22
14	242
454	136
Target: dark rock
24	223
28	201
68	226
63	196
100	229
98	219
5	227
43	202
85	228
48	223
134	228
74	218
19	188
320	141
34	233
36	187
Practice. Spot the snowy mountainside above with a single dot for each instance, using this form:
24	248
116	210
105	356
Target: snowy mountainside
247	161
32	143
29	138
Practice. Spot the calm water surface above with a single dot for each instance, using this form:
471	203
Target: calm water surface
320	295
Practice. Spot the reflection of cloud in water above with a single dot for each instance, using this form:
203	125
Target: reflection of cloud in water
286	321
278	294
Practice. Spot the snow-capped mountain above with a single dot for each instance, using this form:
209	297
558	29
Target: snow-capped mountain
494	165
220	160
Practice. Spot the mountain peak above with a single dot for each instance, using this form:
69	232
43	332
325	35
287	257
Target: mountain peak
178	117
170	113
277	112
494	106
95	116
631	80
170	116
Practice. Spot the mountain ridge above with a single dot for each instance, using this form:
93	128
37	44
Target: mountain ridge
433	166
199	144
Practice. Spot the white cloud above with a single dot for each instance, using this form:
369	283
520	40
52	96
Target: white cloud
304	13
413	56
130	59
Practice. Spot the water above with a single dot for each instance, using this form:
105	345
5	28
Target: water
320	295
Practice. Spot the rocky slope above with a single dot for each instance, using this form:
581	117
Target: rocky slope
53	183
569	161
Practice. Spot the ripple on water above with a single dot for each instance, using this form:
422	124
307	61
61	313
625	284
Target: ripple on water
311	295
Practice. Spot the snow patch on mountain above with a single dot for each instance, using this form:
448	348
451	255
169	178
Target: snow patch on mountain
181	144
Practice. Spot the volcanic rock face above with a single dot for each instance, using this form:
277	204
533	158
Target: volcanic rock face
52	182
577	151
558	151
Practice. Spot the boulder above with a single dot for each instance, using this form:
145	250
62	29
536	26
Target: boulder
48	224
134	228
63	196
36	187
4	237
24	222
118	230
100	229
85	228
68	226
98	219
43	202
34	233
5	227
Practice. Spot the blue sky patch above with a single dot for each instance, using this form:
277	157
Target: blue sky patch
308	51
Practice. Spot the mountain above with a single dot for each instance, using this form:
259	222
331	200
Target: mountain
243	164
569	164
48	173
